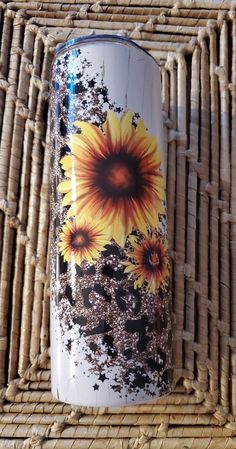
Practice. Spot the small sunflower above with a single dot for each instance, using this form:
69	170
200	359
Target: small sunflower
81	240
150	262
114	175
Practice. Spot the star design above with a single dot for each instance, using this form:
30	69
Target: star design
96	387
91	83
102	377
69	344
116	388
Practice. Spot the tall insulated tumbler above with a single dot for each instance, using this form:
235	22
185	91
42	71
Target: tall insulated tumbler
110	302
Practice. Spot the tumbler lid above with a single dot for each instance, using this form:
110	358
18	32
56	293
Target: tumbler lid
99	38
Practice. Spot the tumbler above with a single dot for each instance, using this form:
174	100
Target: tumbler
110	298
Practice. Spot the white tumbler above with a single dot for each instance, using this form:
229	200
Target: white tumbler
110	303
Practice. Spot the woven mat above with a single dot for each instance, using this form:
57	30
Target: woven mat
195	44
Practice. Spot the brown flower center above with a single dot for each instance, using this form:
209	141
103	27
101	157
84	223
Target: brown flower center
119	176
79	239
153	258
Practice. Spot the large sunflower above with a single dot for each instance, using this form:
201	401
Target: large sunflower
114	175
82	240
150	262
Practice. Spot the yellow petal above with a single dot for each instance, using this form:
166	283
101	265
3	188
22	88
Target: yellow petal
80	220
68	174
152	217
66	163
142	224
141	129
160	209
140	145
87	214
64	186
72	211
79	144
137	284
111	128
92	132
126	263
118	232
127	128
129	268
152	148
68	226
67	199
152	286
78	259
133	241
161	194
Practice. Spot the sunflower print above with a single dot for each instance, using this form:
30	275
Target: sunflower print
114	175
150	261
81	240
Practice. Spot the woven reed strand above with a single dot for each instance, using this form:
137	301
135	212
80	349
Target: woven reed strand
207	4
56	10
9	166
224	226
233	212
23	135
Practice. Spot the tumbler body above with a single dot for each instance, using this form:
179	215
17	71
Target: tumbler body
110	301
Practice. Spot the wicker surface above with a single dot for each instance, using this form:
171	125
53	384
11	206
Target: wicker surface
199	106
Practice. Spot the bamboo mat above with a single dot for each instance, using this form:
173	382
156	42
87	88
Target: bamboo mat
195	44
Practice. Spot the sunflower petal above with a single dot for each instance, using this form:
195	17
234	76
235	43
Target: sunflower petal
118	232
67	199
68	226
153	147
64	187
92	132
66	163
137	284
141	129
127	128
72	211
133	240
126	263
112	130
80	146
129	268
160	209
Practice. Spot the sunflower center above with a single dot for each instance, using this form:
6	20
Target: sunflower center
79	239
119	176
153	259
